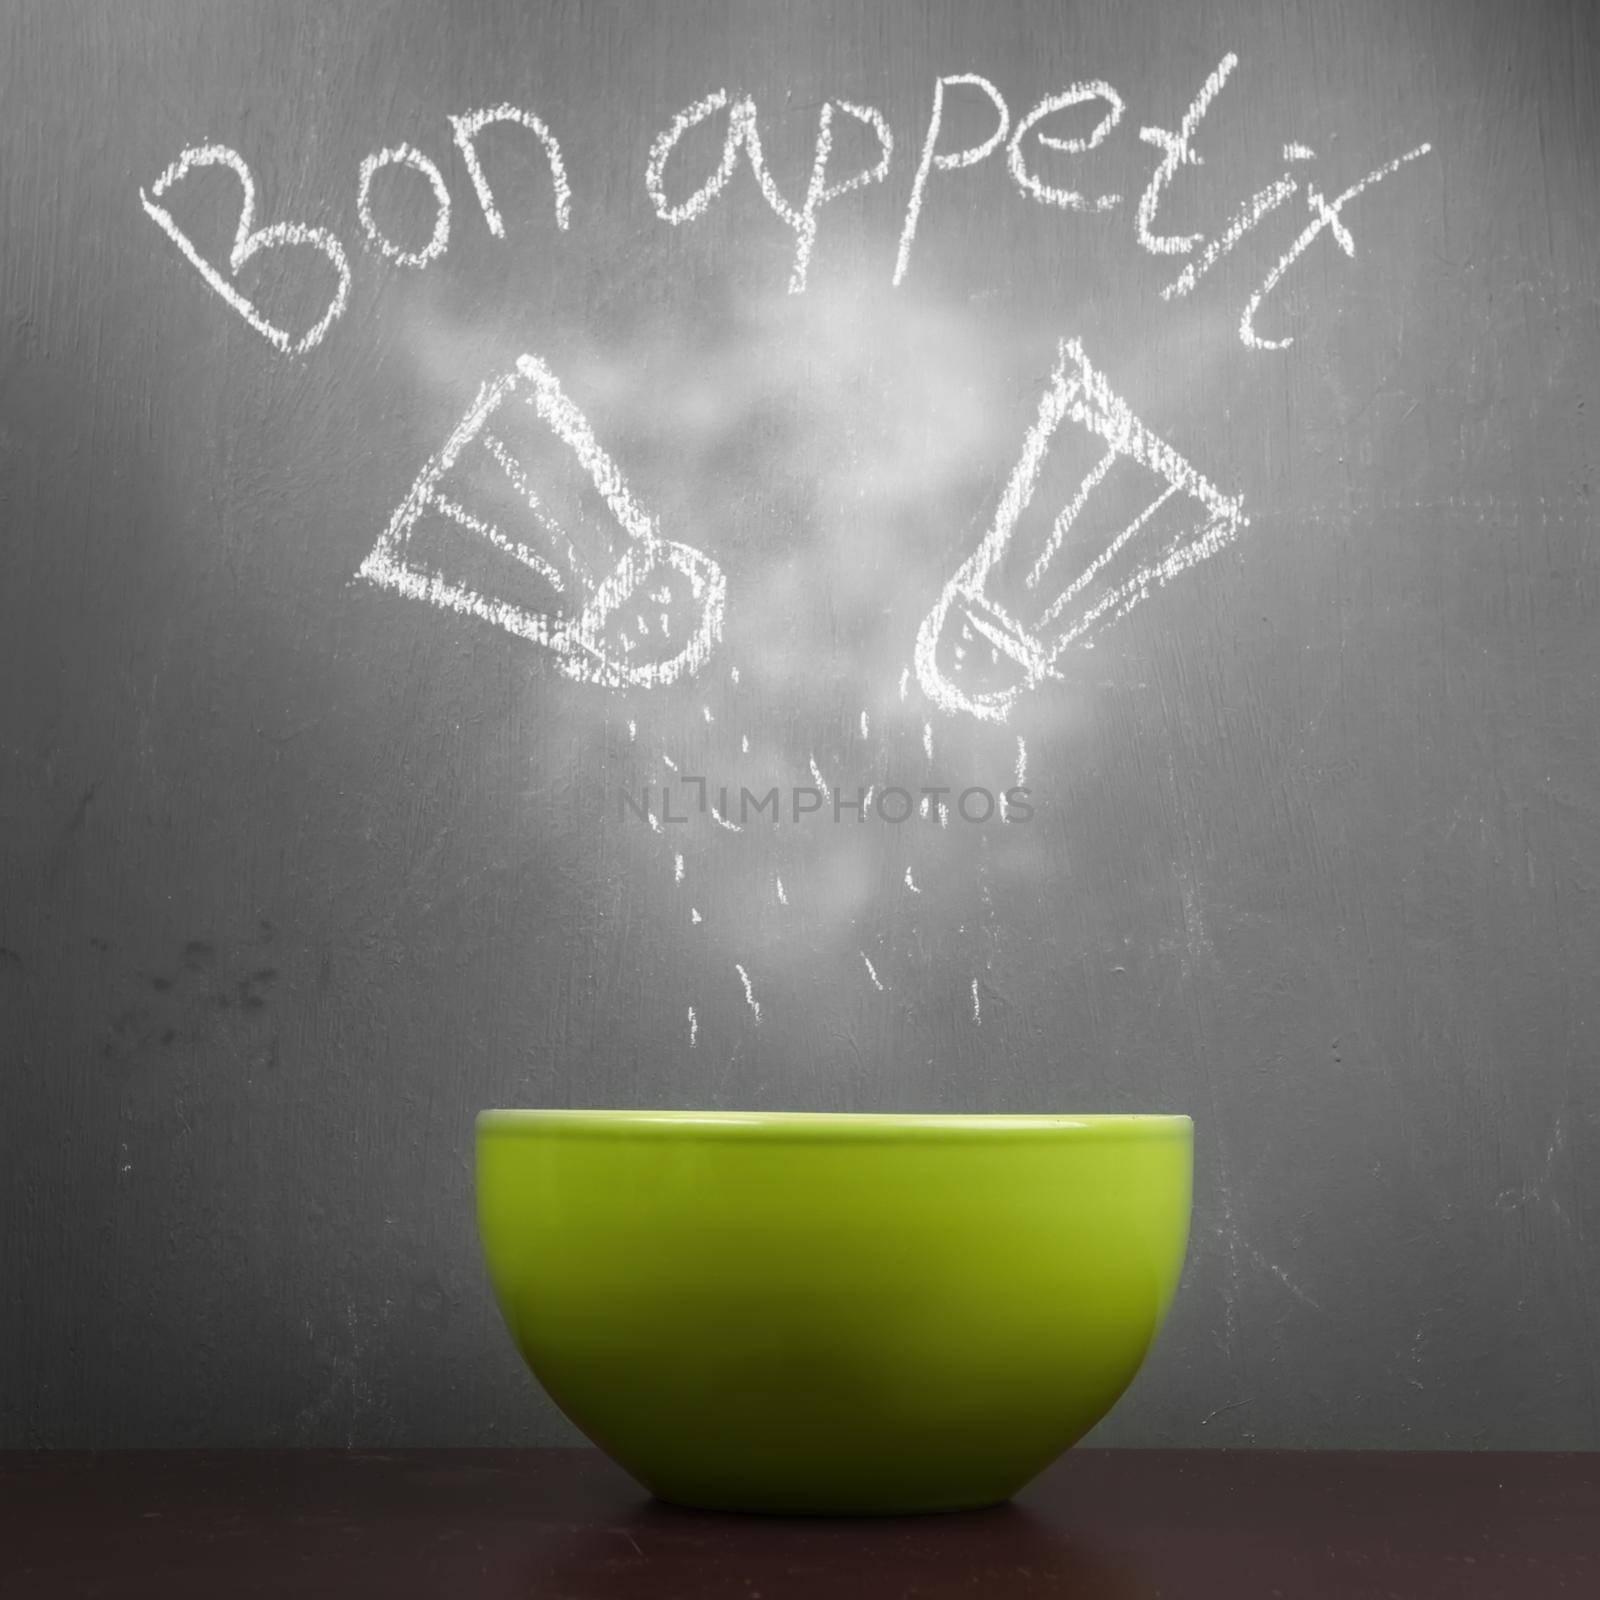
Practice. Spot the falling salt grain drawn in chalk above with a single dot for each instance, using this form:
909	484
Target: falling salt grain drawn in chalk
749	993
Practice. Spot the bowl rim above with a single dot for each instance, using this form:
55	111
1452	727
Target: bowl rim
823	1125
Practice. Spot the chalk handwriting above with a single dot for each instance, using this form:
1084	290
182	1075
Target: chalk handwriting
742	138
743	131
466	130
1078	94
740	117
405	155
1025	640
1176	152
819	192
586	601
1243	220
945	161
247	243
1325	214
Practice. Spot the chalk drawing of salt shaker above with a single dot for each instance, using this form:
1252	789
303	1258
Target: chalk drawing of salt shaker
525	522
1093	517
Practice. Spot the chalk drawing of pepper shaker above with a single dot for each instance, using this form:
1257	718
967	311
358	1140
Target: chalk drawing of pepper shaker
1138	516
523	520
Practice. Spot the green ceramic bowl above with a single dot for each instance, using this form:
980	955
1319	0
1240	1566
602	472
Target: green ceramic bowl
832	1313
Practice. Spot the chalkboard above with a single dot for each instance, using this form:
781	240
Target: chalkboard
843	556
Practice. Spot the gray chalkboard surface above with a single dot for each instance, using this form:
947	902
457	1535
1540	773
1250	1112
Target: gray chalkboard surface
948	556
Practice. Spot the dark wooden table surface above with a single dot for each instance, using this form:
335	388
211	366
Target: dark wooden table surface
559	1523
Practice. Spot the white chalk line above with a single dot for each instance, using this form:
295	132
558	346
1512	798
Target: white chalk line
1069	514
1176	152
466	130
661	147
950	161
749	993
248	242
1064	599
1259	205
405	155
743	132
518	480
488	531
1077	94
818	193
1326	214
